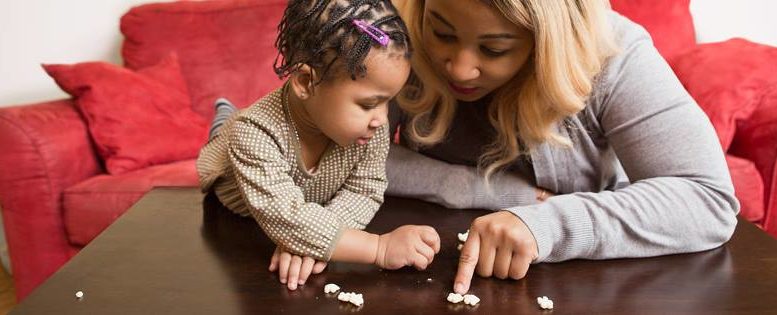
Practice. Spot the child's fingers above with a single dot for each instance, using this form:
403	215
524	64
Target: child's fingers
431	238
306	269
283	266
319	267
294	269
274	261
419	261
425	250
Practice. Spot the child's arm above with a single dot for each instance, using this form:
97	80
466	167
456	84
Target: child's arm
357	201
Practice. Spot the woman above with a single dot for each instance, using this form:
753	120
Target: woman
564	116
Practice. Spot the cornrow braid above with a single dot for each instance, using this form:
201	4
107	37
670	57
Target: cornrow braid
320	33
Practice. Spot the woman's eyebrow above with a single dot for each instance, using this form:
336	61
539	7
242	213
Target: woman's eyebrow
442	19
486	36
499	36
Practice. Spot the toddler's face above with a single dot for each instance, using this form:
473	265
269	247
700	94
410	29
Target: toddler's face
350	111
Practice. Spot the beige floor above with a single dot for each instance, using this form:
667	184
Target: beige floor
7	292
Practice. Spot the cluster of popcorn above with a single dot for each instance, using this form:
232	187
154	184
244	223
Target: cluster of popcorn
462	238
545	303
348	297
469	299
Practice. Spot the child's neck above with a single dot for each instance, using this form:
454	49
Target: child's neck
312	141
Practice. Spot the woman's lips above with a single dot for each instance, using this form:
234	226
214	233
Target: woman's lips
461	89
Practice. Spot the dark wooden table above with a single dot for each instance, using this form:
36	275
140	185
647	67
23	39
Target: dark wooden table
177	252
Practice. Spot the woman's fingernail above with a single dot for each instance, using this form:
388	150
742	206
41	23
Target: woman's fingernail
301	282
293	286
458	288
283	281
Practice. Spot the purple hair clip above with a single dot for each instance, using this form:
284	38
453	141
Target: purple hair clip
377	34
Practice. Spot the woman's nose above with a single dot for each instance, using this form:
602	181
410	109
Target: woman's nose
463	66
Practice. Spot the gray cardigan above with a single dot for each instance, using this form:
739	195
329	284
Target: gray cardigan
646	176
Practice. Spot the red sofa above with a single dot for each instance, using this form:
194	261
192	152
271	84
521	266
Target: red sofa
57	193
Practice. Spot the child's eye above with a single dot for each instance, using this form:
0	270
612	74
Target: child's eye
492	52
368	106
444	37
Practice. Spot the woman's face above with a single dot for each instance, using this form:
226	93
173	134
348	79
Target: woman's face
473	46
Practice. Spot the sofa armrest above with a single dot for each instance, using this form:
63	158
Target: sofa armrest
46	148
755	140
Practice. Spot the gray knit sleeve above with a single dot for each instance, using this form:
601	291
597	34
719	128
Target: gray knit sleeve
681	198
413	175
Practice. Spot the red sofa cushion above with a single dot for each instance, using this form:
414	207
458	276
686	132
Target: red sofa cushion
727	80
669	22
756	140
138	118
92	205
225	47
749	188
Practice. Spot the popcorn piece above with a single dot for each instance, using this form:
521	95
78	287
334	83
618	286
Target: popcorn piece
346	297
455	298
463	236
351	297
357	299
79	294
545	303
331	288
471	299
460	246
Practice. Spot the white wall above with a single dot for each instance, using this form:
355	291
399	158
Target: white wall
56	31
718	20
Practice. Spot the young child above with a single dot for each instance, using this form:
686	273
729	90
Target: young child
307	161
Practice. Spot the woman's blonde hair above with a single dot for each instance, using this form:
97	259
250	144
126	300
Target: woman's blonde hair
572	40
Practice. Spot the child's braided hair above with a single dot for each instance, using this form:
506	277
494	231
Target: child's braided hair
321	32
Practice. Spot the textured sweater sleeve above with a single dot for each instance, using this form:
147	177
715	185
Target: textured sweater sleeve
413	175
359	198
681	198
275	201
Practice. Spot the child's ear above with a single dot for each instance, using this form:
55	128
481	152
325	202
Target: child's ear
302	81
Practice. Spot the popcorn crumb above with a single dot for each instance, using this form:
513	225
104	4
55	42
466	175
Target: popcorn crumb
455	298
79	294
471	299
545	303
460	246
463	236
331	288
428	279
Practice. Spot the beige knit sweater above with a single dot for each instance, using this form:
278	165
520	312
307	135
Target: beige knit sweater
255	168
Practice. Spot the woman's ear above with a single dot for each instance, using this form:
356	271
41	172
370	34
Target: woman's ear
302	82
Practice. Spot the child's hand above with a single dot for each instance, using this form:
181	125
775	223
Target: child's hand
408	245
292	269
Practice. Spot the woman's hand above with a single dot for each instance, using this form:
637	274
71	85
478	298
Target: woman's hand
408	245
543	194
499	245
294	270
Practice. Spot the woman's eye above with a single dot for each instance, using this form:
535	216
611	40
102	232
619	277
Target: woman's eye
444	37
492	52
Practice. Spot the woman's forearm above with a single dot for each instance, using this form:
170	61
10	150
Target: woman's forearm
413	175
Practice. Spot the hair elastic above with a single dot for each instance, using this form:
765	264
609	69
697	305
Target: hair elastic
377	34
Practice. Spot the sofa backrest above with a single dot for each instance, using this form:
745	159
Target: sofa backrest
669	22
225	48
